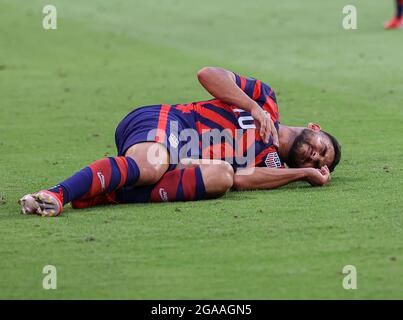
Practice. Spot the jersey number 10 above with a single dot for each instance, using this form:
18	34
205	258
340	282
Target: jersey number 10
245	120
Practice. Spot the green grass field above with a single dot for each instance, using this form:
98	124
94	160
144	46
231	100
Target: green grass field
62	93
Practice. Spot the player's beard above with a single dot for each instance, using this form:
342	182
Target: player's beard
295	155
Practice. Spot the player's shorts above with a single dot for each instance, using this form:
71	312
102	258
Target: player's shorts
157	123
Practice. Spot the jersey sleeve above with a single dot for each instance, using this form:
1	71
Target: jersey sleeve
260	92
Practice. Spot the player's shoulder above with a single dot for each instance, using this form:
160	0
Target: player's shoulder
258	88
267	156
273	160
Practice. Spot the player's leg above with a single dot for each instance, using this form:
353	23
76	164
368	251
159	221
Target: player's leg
206	181
218	175
196	182
217	178
397	20
190	182
102	177
399	9
154	160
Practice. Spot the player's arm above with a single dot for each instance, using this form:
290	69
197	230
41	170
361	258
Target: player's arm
272	178
221	84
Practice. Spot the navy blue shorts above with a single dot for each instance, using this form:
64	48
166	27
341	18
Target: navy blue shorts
158	123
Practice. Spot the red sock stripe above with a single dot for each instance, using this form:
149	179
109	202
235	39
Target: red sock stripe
109	198
189	184
166	189
101	176
123	168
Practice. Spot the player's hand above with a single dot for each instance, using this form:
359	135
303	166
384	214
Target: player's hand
318	177
265	124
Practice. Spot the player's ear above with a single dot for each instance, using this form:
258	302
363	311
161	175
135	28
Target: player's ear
314	126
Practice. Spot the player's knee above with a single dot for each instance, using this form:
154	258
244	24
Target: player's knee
150	174
226	176
152	159
218	178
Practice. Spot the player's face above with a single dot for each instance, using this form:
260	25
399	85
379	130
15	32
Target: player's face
311	149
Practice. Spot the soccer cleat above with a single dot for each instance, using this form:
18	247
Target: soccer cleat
103	199
394	23
44	203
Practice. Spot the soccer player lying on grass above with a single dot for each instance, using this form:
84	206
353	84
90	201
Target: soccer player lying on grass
197	151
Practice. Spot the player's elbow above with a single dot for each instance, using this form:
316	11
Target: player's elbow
204	73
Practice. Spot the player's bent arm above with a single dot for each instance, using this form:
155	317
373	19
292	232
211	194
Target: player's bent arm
221	84
271	178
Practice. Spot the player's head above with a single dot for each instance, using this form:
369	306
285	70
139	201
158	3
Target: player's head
314	148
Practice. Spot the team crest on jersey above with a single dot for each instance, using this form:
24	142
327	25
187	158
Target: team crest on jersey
272	160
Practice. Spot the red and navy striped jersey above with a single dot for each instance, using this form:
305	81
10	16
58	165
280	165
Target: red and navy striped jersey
230	132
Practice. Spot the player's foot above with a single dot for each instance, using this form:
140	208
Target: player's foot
44	203
109	198
394	23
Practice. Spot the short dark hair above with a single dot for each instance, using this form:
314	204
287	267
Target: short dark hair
337	151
